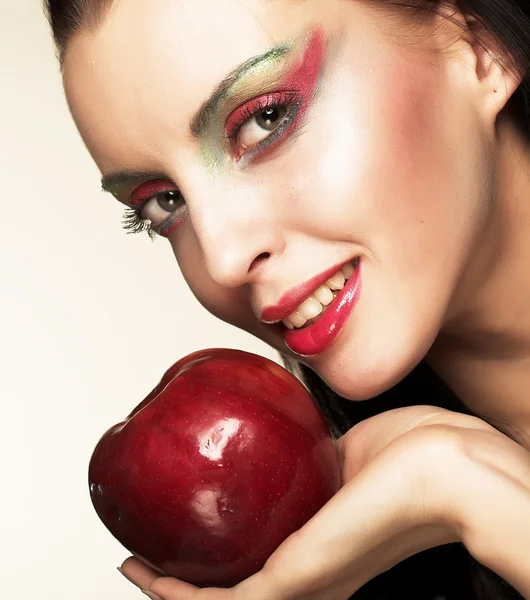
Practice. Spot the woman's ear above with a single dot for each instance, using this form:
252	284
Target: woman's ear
493	67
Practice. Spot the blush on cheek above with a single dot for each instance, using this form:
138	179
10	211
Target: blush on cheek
411	161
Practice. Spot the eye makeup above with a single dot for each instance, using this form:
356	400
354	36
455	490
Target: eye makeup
137	218
133	222
280	83
297	91
273	103
115	183
288	80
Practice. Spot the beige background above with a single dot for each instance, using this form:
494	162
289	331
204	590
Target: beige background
90	318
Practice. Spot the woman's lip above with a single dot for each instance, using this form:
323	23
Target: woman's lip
320	336
296	295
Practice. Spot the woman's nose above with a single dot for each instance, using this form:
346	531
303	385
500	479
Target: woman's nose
237	230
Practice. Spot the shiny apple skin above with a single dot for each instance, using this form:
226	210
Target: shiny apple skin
223	460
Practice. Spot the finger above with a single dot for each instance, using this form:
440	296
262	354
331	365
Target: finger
368	438
255	587
363	442
138	573
167	588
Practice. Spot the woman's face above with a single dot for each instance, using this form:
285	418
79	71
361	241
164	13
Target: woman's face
333	143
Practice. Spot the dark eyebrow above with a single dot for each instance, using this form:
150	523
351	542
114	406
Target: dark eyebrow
202	119
115	181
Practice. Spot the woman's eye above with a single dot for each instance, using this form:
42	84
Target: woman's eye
157	208
260	126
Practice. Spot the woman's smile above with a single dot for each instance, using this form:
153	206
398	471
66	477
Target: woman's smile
295	148
348	182
314	312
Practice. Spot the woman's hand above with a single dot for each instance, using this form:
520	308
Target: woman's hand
412	479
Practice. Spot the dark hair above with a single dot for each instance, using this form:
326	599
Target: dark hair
508	23
68	17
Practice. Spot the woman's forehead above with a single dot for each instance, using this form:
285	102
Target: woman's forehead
136	82
166	57
219	32
197	42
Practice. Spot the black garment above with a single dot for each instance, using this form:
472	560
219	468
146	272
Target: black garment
446	572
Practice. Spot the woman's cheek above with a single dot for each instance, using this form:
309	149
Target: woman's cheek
405	170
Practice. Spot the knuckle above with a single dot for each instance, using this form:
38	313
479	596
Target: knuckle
441	416
447	468
437	451
437	443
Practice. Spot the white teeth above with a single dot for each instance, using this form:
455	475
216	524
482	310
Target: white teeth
296	319
320	299
324	295
336	282
309	308
348	270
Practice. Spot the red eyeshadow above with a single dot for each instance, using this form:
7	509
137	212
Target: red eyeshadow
298	87
304	76
241	114
150	189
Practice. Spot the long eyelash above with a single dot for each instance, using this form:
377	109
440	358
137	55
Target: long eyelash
132	222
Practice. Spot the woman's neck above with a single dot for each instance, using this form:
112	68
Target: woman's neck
483	350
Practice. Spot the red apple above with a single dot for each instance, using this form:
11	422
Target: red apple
222	461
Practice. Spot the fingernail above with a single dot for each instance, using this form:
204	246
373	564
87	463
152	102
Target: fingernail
128	579
151	595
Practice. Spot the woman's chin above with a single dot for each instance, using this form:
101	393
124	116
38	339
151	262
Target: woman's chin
362	363
362	386
363	376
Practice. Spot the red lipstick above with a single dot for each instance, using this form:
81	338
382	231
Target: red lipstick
318	337
295	296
